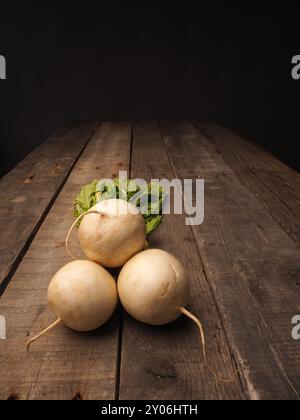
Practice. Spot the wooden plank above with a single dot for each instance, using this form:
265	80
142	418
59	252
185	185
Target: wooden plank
166	363
251	265
30	189
64	365
274	184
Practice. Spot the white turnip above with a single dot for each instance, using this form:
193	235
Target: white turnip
154	288
111	233
82	295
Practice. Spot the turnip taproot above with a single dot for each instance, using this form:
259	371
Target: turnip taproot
82	295
111	233
154	288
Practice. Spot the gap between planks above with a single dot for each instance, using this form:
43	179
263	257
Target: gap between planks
121	319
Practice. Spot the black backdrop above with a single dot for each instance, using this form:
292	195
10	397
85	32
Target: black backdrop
127	60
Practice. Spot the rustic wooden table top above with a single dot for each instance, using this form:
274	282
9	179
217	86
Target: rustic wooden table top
244	263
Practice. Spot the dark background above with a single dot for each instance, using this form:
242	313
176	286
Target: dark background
126	60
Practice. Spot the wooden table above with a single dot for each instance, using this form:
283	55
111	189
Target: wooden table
244	264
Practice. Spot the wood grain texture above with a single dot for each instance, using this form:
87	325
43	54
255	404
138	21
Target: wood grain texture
64	365
252	266
29	190
275	185
244	264
166	362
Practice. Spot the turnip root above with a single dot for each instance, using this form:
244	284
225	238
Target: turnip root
82	295
154	288
111	233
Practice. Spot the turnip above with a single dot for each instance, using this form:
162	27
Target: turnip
154	288
111	233
82	295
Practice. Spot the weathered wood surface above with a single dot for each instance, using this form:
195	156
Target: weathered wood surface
64	365
167	363
30	189
250	263
274	184
243	262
